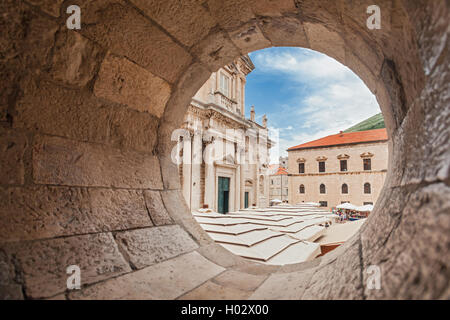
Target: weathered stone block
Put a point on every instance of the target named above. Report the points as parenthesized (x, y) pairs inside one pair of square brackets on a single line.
[(49, 6), (339, 278), (239, 280), (12, 151), (267, 8), (122, 81), (420, 235), (213, 291), (230, 14), (286, 31), (215, 51), (249, 38), (65, 162), (166, 280), (108, 23), (44, 263), (177, 208), (27, 38), (77, 114), (188, 21), (145, 247), (46, 212), (325, 40), (287, 286), (156, 209), (75, 59)]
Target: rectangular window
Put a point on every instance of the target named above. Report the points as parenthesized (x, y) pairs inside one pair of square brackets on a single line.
[(367, 164), (342, 202), (366, 203), (343, 165), (301, 167), (224, 84), (323, 203), (321, 166)]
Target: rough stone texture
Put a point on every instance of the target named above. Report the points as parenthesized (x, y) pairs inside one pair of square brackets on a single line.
[(239, 280), (67, 162), (287, 286), (176, 207), (49, 6), (156, 209), (47, 108), (43, 264), (12, 150), (286, 31), (407, 234), (166, 280), (426, 213), (214, 291), (272, 7), (249, 37), (145, 247), (215, 51), (324, 40), (75, 59), (9, 287), (111, 23), (188, 21), (230, 14), (340, 278), (122, 81)]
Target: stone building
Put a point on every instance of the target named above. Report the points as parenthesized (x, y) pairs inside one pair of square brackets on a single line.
[(224, 156), (278, 185), (345, 167)]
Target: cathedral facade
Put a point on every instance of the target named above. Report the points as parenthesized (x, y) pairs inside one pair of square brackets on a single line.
[(222, 155)]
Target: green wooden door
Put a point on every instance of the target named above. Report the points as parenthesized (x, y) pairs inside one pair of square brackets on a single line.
[(246, 200), (223, 194)]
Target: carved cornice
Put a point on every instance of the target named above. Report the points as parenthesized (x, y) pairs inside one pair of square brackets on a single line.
[(366, 155), (301, 160), (322, 158), (343, 156)]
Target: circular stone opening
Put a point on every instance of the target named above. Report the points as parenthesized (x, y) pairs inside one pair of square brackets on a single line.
[(87, 118), (228, 153)]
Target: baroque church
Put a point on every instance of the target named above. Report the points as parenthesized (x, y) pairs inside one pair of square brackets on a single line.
[(223, 157)]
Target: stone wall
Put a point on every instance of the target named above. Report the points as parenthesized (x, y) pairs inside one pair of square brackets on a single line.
[(86, 119)]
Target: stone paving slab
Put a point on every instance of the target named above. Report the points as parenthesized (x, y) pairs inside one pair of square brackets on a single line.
[(311, 233), (247, 239), (262, 251), (295, 253), (166, 280), (148, 246), (235, 229)]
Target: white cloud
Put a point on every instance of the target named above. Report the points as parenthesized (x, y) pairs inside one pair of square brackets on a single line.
[(335, 97)]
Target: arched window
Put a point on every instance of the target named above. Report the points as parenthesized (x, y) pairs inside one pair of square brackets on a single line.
[(344, 188), (322, 188), (367, 188), (301, 189)]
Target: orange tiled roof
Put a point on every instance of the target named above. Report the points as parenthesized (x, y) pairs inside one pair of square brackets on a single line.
[(345, 138), (281, 171)]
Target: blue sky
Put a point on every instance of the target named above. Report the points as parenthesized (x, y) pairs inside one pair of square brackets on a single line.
[(306, 95)]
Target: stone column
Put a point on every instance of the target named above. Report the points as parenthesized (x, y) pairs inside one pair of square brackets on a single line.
[(197, 158), (210, 183), (187, 168), (237, 202)]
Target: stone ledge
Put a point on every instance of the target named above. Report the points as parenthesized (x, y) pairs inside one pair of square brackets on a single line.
[(166, 280), (145, 247), (43, 263)]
